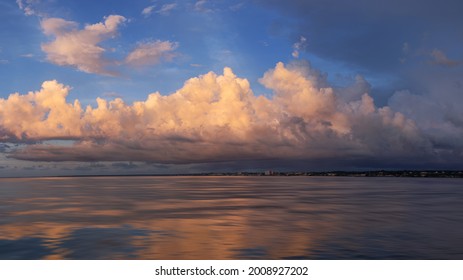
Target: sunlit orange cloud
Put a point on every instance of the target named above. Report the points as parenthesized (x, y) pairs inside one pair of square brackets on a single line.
[(79, 48), (212, 118)]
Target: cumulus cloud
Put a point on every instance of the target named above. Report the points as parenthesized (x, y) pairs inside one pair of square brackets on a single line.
[(80, 48), (46, 108), (218, 118), (151, 53)]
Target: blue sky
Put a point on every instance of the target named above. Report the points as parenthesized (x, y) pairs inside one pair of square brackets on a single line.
[(218, 34), (403, 55)]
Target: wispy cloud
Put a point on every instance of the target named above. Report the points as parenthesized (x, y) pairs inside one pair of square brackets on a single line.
[(164, 10), (299, 46), (237, 7), (203, 6), (148, 10), (151, 53), (27, 6), (80, 48), (440, 58), (112, 95), (167, 8)]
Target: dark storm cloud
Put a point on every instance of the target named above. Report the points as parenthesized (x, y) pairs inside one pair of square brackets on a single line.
[(371, 34), (4, 147)]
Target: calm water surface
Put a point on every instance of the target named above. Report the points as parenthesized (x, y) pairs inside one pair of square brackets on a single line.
[(231, 218)]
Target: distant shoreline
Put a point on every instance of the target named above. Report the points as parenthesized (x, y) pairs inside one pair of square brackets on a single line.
[(270, 173)]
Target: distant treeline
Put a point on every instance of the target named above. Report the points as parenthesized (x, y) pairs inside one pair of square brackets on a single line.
[(378, 173)]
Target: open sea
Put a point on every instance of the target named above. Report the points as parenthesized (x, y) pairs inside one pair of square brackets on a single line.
[(231, 218)]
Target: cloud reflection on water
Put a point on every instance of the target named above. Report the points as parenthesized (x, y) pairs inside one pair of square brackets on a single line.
[(230, 218)]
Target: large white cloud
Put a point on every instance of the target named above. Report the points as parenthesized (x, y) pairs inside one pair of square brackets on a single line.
[(80, 48), (216, 118)]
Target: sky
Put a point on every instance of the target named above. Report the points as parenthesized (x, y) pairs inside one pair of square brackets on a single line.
[(162, 87)]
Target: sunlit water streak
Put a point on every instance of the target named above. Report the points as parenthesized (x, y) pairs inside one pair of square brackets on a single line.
[(231, 218)]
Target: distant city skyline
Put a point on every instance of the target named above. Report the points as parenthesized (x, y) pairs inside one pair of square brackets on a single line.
[(168, 87)]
